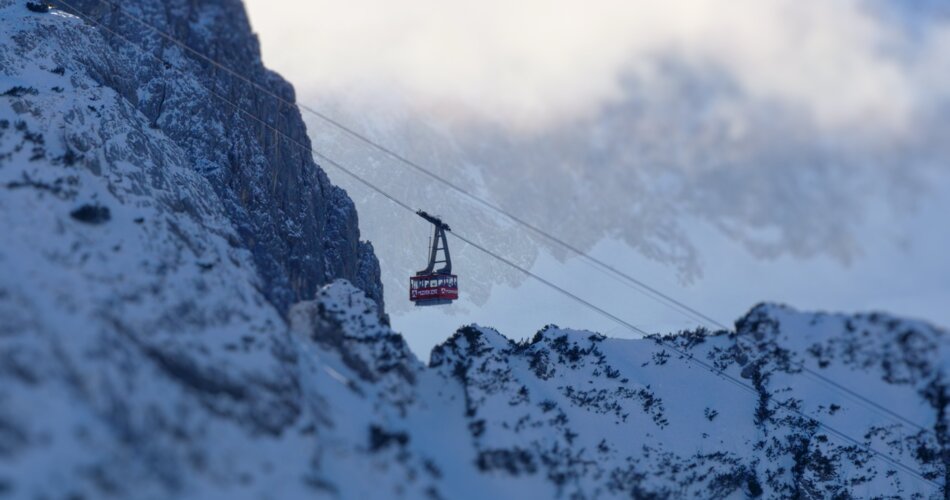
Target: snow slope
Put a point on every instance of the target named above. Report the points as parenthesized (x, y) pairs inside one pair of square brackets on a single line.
[(574, 414), (620, 418), (163, 335)]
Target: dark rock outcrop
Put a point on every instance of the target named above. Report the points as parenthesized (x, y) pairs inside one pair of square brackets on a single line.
[(302, 230)]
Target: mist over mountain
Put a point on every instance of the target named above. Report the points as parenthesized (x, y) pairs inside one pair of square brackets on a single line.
[(672, 152), (187, 308), (692, 133)]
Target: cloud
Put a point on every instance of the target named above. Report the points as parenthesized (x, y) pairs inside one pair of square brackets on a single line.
[(534, 64), (784, 124)]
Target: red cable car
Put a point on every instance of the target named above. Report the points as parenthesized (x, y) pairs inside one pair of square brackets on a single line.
[(430, 287)]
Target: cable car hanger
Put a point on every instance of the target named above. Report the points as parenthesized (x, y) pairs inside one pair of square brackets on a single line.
[(431, 287)]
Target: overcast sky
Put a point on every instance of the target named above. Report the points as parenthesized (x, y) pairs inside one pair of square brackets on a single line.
[(731, 152)]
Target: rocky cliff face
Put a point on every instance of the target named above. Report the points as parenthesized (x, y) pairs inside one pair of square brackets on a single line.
[(153, 239), (156, 246), (301, 230)]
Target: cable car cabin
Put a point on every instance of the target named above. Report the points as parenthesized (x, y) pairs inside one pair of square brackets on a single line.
[(433, 290), (431, 287)]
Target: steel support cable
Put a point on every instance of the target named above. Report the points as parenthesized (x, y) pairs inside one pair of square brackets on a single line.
[(688, 357), (604, 266), (641, 286)]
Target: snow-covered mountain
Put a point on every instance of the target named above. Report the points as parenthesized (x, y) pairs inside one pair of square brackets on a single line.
[(186, 311)]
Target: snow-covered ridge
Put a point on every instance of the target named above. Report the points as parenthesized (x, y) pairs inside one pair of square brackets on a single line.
[(620, 418)]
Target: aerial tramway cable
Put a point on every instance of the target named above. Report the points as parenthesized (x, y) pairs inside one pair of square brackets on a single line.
[(598, 263), (601, 265), (687, 357)]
